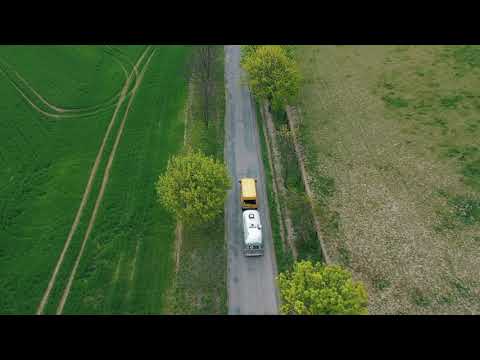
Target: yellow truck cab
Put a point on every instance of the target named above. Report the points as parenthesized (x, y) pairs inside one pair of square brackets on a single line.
[(248, 193)]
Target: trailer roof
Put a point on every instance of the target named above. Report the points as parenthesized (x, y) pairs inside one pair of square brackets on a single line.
[(248, 188), (251, 217), (251, 221)]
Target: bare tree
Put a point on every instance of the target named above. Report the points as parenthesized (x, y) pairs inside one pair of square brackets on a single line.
[(203, 73)]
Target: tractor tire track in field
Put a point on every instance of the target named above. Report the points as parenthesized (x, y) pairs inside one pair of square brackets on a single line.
[(73, 113), (88, 189), (106, 177), (63, 110), (59, 112), (120, 55), (72, 110), (57, 115)]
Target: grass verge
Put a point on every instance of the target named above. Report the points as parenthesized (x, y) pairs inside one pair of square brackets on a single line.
[(199, 287), (283, 254), (297, 201)]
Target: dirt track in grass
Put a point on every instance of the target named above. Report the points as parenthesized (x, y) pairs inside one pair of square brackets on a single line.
[(44, 107), (106, 177), (93, 172)]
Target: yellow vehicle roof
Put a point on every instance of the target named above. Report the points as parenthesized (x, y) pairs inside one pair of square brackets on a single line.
[(248, 188)]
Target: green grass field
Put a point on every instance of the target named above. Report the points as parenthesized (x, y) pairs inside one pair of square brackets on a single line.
[(46, 161), (391, 138)]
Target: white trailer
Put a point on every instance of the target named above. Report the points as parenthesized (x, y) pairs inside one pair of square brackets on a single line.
[(252, 230)]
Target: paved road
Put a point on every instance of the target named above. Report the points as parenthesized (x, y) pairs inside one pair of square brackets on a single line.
[(251, 281)]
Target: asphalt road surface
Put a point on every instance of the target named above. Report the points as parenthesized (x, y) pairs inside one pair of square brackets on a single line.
[(251, 280)]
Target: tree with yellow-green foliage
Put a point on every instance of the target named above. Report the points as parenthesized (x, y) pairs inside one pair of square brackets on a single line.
[(272, 74), (316, 289), (247, 50), (289, 51), (194, 187)]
